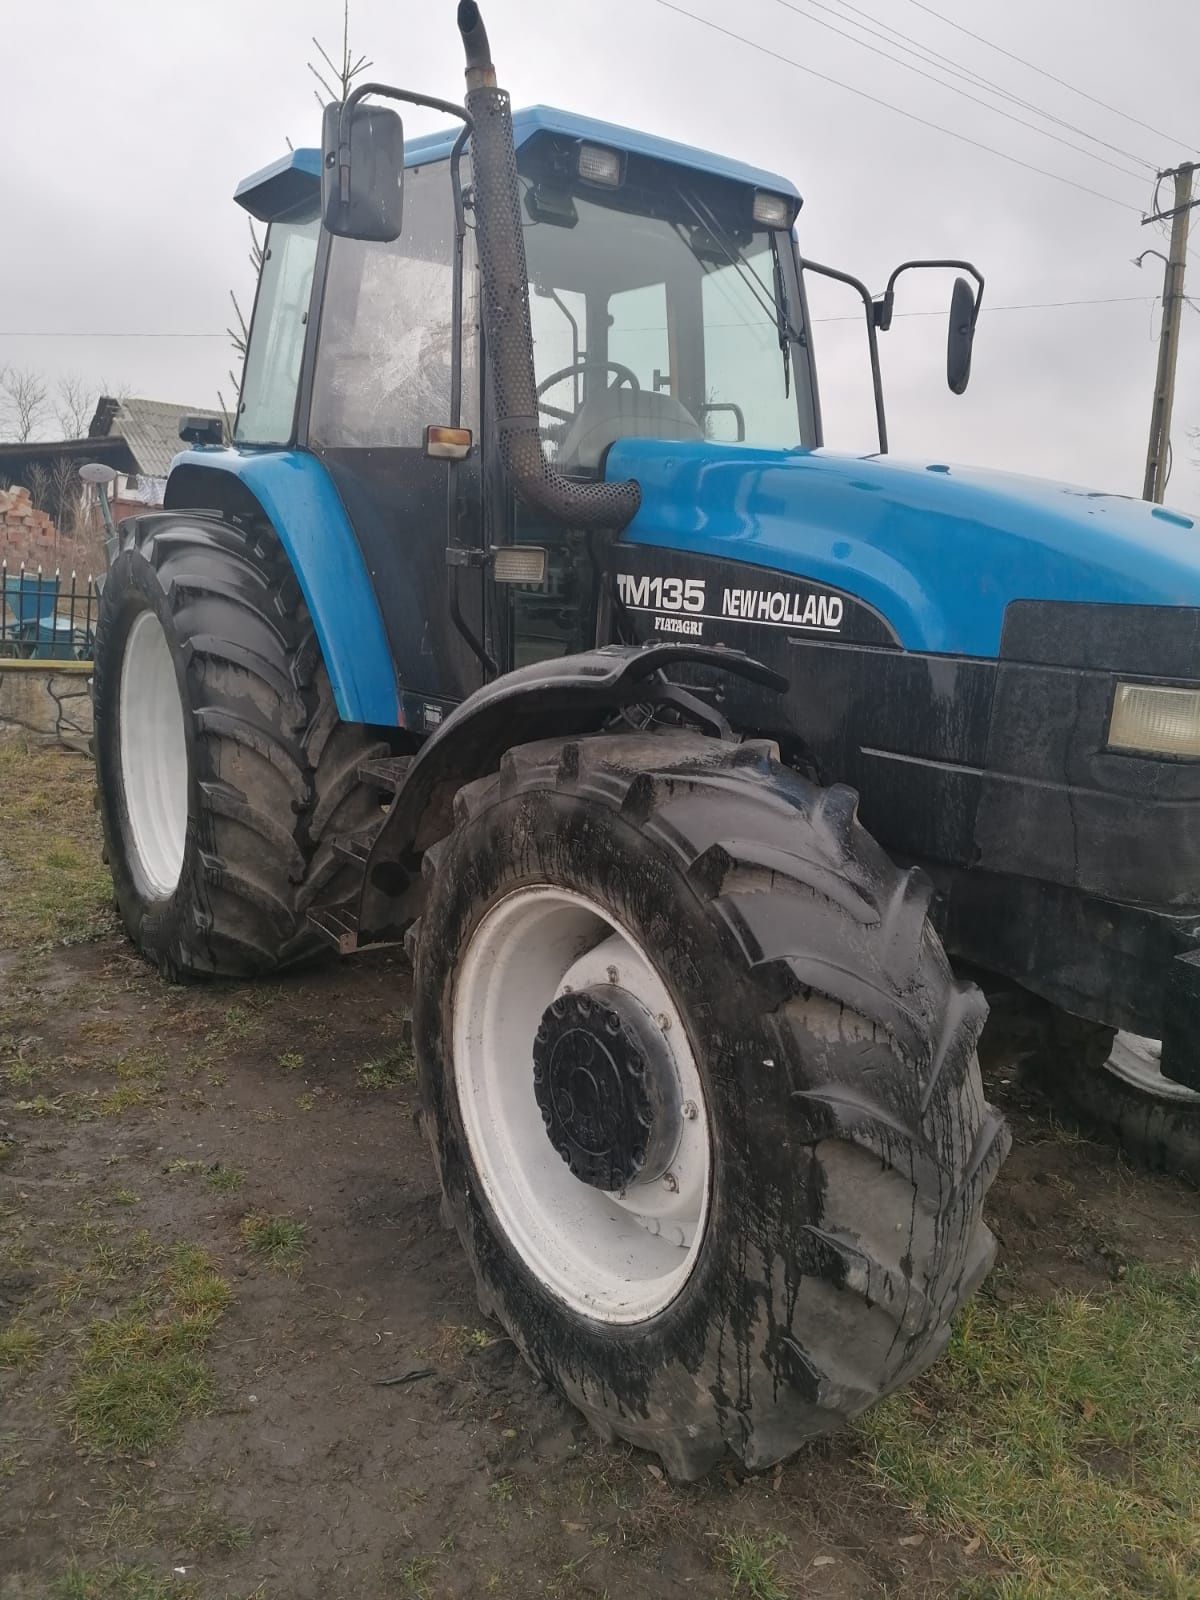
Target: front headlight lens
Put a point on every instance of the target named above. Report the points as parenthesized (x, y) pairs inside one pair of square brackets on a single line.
[(1160, 721), (772, 210)]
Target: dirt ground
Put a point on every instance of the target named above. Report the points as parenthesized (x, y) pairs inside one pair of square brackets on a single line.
[(349, 1424)]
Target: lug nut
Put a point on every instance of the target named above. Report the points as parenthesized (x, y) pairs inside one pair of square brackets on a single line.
[(671, 1182), (690, 1110), (663, 1021)]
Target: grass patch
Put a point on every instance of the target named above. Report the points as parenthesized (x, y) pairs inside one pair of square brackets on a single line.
[(141, 1373), (291, 1061), (386, 1071), (20, 1346), (1067, 1435), (140, 1077), (415, 1575), (749, 1564), (279, 1241), (40, 1106), (211, 1530), (56, 889), (17, 1070), (116, 1581), (224, 1179)]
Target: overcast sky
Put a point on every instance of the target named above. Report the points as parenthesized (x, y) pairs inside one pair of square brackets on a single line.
[(129, 124)]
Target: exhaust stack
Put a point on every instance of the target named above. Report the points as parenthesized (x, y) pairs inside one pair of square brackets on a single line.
[(506, 325)]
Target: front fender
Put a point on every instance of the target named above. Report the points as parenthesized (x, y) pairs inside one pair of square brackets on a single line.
[(561, 697), (298, 498)]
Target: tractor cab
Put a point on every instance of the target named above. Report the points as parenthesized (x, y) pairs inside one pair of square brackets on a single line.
[(665, 302)]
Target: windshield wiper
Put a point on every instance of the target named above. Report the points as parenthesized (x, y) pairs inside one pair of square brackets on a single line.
[(778, 310), (783, 322)]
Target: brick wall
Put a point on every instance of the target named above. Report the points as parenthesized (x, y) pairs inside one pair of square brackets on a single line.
[(26, 535)]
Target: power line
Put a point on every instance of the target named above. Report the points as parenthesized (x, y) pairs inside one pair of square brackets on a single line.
[(924, 122), (1033, 67), (954, 88), (1027, 305), (950, 64), (24, 333)]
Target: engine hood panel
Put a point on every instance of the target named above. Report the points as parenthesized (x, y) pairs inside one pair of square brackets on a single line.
[(940, 551)]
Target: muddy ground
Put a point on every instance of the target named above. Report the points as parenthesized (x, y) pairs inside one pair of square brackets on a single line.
[(137, 1117)]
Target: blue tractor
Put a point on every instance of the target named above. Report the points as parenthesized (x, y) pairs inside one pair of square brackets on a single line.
[(526, 621)]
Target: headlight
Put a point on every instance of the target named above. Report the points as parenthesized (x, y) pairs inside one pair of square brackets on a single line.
[(598, 165), (772, 210), (1160, 721)]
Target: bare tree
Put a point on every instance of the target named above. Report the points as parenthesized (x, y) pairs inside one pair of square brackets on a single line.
[(23, 403), (37, 481), (337, 79), (74, 405), (66, 495), (344, 73), (240, 336)]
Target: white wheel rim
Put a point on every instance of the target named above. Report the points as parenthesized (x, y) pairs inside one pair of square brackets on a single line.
[(154, 769), (615, 1257), (1138, 1061)]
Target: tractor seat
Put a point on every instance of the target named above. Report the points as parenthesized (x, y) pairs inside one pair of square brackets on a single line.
[(622, 413)]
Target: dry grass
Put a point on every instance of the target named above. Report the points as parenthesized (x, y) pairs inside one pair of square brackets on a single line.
[(54, 889)]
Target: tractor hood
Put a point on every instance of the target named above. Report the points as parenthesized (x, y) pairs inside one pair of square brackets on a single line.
[(939, 551)]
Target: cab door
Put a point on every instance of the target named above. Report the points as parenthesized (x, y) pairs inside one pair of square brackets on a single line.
[(380, 376)]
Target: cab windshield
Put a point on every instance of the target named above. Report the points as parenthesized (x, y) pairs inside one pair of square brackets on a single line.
[(659, 310)]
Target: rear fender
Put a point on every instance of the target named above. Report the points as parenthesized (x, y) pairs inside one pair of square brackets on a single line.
[(297, 496), (558, 698)]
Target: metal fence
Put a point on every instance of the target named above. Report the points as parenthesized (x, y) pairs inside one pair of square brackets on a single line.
[(46, 616)]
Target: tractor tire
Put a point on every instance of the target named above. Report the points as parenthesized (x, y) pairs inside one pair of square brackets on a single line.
[(223, 771), (701, 1090), (1110, 1085)]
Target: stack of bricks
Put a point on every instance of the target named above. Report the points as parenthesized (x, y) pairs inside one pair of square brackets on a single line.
[(27, 535)]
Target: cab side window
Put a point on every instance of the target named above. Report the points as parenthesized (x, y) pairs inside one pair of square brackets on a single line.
[(384, 357), (267, 406)]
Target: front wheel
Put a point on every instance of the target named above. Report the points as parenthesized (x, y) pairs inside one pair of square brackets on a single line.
[(223, 772), (701, 1090)]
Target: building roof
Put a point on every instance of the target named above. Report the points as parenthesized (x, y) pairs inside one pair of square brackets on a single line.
[(294, 180), (149, 427), (16, 459)]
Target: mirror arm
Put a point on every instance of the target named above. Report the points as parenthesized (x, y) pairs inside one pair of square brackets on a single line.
[(387, 92), (885, 303), (864, 295)]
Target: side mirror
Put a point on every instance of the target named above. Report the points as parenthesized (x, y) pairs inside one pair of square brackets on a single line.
[(362, 172), (961, 336)]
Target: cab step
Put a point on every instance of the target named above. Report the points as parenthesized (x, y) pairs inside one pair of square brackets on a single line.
[(386, 773), (338, 925)]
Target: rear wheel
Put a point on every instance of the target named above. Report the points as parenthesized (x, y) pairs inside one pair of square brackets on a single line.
[(702, 1091), (1111, 1085), (223, 771)]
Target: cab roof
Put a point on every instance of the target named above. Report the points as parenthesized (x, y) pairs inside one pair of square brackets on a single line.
[(291, 182)]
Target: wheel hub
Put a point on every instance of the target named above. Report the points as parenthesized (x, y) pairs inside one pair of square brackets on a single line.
[(606, 1089)]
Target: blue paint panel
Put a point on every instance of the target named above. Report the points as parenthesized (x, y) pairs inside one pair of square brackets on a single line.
[(263, 189), (939, 551), (292, 181), (539, 119), (306, 512)]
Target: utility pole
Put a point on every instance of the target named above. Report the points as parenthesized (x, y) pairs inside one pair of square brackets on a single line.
[(1158, 450)]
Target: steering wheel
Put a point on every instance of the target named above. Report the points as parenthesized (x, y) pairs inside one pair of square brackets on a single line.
[(624, 375)]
